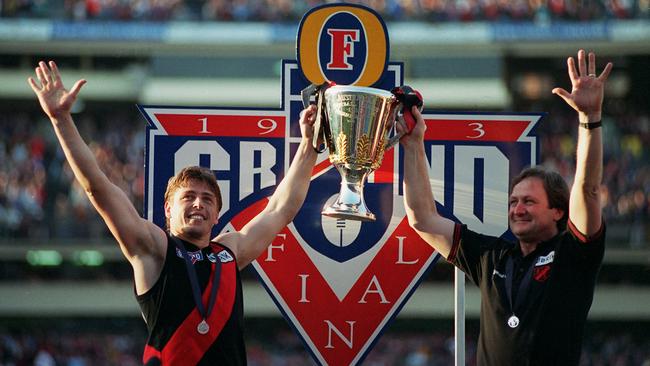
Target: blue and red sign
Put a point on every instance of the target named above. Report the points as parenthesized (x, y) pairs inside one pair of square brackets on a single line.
[(339, 283)]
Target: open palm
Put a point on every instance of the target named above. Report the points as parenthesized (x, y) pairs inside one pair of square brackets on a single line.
[(587, 88), (51, 93)]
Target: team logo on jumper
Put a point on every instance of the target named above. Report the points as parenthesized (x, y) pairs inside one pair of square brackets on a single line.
[(224, 256), (194, 256), (345, 44), (545, 259), (339, 283), (541, 273), (211, 257), (542, 269)]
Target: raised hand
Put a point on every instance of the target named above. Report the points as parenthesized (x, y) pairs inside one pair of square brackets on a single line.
[(307, 119), (414, 136), (54, 98), (587, 88)]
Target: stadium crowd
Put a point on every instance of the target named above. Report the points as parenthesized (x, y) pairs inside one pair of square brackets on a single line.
[(39, 198), (290, 11), (56, 347), (38, 195)]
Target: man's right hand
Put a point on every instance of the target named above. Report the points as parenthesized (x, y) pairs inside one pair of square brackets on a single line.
[(54, 98)]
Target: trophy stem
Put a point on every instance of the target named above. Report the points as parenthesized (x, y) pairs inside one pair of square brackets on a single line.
[(349, 204)]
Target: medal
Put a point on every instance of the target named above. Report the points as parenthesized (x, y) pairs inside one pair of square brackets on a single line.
[(203, 327), (513, 321)]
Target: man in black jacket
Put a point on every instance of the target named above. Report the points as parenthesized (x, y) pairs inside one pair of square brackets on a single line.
[(536, 293)]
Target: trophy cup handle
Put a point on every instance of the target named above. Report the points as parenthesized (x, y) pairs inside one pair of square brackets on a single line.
[(320, 130), (407, 97)]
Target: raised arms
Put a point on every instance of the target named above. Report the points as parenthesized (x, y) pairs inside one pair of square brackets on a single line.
[(418, 198), (141, 241)]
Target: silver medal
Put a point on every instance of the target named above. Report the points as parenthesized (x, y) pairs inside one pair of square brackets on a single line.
[(513, 321), (203, 327)]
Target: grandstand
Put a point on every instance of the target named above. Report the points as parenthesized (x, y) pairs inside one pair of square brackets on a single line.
[(66, 296)]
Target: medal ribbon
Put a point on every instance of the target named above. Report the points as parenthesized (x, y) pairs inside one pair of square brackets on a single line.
[(196, 291), (523, 286)]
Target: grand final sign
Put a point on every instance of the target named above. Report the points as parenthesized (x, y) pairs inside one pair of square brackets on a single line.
[(339, 283)]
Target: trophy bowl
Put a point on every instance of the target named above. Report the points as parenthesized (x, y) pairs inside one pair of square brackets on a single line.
[(357, 121)]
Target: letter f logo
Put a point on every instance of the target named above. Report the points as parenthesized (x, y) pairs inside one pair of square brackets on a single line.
[(342, 48)]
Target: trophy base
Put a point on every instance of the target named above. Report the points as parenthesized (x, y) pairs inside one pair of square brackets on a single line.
[(347, 214)]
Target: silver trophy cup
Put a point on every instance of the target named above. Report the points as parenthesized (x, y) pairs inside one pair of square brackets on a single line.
[(357, 124)]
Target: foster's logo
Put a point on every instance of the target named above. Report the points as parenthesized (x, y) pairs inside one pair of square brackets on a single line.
[(342, 44)]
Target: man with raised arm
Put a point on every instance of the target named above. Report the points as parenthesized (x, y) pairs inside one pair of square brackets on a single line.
[(536, 292), (186, 283)]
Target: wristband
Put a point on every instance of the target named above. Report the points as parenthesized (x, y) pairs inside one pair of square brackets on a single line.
[(591, 125)]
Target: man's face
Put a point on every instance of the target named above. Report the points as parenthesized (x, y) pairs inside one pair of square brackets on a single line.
[(192, 211), (531, 220)]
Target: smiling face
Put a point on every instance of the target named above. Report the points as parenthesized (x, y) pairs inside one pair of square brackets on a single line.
[(529, 214), (192, 211)]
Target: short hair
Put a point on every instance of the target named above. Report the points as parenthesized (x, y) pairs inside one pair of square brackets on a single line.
[(557, 191), (196, 173)]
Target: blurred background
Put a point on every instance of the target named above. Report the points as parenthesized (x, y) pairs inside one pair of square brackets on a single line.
[(66, 295)]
